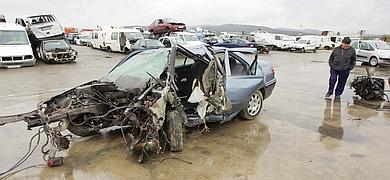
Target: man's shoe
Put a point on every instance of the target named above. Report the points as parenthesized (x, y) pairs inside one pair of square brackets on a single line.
[(337, 97), (327, 95)]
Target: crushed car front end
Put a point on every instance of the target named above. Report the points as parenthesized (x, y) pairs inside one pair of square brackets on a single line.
[(57, 51)]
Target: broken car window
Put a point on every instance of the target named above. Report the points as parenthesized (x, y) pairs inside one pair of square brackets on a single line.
[(53, 45), (41, 19), (182, 60), (133, 73)]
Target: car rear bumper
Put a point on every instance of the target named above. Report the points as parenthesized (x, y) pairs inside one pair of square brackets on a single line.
[(13, 64), (269, 88)]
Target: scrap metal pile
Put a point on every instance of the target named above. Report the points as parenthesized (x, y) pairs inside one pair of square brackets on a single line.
[(369, 88)]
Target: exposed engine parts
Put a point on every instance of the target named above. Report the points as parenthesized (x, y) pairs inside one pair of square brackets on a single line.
[(369, 88)]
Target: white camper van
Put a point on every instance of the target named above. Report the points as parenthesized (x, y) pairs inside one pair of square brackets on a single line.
[(15, 47), (110, 39), (276, 41), (43, 26), (113, 38)]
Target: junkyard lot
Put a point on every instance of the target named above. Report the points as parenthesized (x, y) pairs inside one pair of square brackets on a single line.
[(284, 142)]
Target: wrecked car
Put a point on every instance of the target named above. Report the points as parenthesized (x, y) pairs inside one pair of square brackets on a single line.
[(166, 25), (56, 51), (43, 26), (154, 94)]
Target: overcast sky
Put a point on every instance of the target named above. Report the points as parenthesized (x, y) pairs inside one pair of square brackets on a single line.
[(336, 15)]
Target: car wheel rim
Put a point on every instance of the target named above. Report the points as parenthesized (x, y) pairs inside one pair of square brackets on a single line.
[(373, 62), (254, 104)]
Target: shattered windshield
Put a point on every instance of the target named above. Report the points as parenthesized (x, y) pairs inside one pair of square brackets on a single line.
[(13, 37), (133, 35), (381, 45), (133, 73), (52, 45)]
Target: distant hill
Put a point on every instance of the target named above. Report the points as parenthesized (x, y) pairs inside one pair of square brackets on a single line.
[(246, 29)]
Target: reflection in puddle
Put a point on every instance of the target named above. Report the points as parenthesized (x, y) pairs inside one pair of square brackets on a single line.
[(226, 149), (331, 129)]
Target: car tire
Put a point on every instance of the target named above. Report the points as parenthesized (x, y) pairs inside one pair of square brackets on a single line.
[(327, 48), (174, 131), (254, 106), (81, 130), (126, 51), (373, 61), (109, 49), (314, 50)]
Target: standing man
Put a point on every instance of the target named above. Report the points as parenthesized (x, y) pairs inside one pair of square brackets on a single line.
[(2, 18), (341, 61), (122, 41)]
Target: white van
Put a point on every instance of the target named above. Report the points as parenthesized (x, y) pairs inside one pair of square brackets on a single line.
[(96, 36), (15, 47), (306, 43), (112, 39), (276, 41), (326, 43), (187, 37), (43, 26)]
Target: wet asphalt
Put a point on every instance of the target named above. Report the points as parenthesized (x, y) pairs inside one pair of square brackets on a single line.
[(298, 135)]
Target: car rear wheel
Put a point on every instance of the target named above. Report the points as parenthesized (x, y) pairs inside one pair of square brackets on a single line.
[(373, 61), (254, 106), (81, 130)]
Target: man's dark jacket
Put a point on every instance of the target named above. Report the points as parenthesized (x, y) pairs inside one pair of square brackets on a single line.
[(343, 59)]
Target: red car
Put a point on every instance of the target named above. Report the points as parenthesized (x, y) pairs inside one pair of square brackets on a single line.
[(166, 25)]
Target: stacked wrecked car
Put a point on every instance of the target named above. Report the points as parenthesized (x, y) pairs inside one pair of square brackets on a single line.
[(47, 38)]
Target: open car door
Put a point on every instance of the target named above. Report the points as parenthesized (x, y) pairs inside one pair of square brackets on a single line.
[(242, 78)]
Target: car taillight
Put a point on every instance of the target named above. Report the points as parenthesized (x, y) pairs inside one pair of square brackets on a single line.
[(273, 71)]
